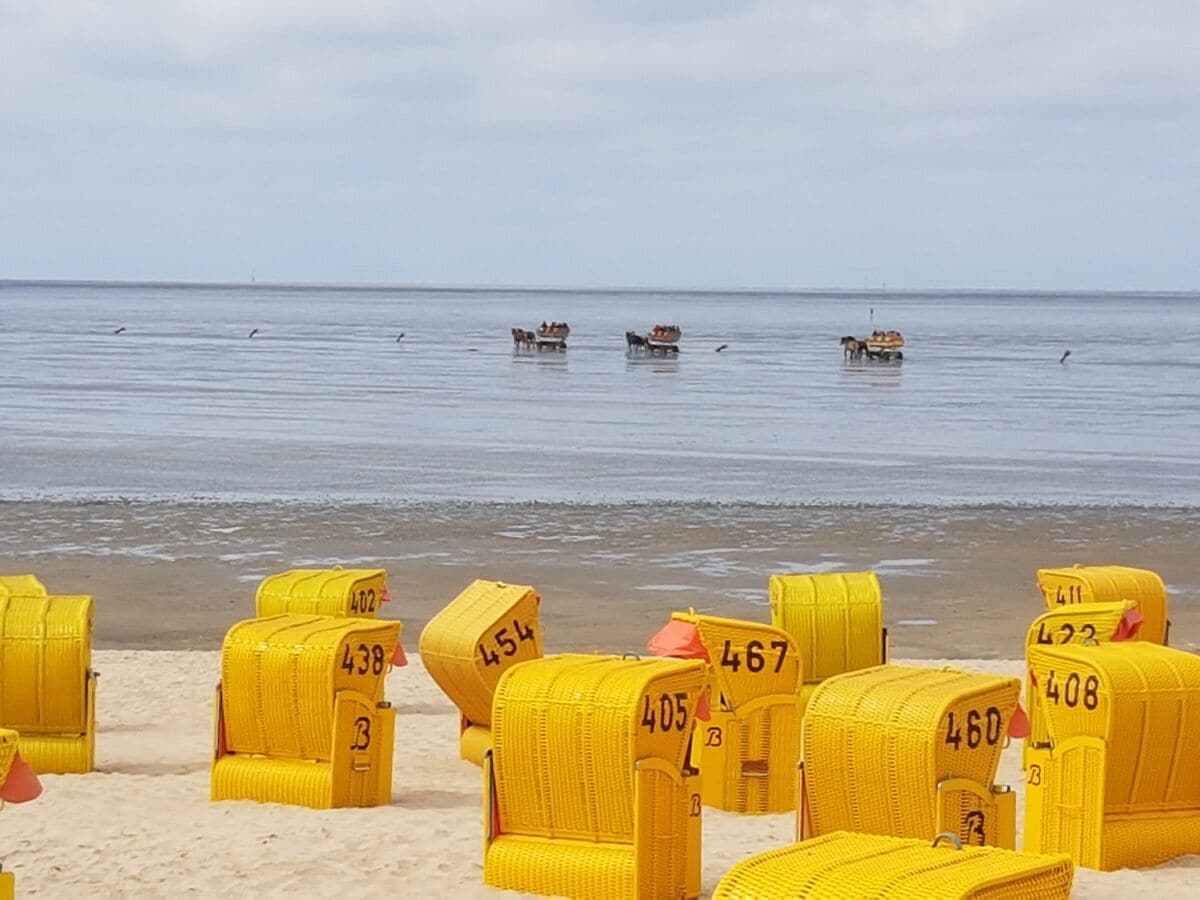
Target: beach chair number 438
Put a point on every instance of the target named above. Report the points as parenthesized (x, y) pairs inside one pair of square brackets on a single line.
[(363, 660), (505, 643), (668, 714), (755, 661), (980, 727)]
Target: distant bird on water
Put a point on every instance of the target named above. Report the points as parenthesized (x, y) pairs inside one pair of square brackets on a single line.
[(120, 330), (1063, 361), (253, 333), (722, 347), (400, 335)]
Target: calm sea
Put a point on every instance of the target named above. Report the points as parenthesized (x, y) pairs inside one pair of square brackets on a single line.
[(324, 403)]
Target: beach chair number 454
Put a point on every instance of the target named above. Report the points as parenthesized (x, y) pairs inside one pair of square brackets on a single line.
[(980, 727), (755, 661), (363, 660), (505, 643)]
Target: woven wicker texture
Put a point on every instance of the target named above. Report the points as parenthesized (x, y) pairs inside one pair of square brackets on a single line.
[(323, 592), (1119, 784), (877, 744), (47, 687), (1107, 584), (842, 865), (836, 620), (588, 757), (8, 750), (476, 638), (1072, 624), (299, 717), (747, 752)]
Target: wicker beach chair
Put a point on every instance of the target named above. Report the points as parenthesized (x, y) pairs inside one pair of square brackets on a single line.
[(748, 749), (845, 865), (908, 752), (300, 715), (48, 689), (587, 791), (836, 621), (480, 635), (1109, 584), (1117, 783), (1080, 623), (323, 592)]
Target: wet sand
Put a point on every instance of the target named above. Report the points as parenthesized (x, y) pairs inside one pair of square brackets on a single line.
[(958, 582)]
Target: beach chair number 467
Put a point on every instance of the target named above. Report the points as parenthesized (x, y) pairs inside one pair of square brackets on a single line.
[(755, 661), (505, 643), (980, 727)]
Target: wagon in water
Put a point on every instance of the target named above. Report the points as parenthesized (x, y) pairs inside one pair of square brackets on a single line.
[(548, 336), (660, 339), (881, 345)]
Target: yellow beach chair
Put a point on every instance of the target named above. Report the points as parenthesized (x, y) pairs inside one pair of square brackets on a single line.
[(48, 689), (323, 592), (480, 635), (908, 752), (1109, 584), (1117, 783), (587, 791), (300, 715), (844, 865), (835, 620), (748, 749)]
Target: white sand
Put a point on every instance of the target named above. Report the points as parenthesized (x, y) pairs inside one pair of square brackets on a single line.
[(143, 825)]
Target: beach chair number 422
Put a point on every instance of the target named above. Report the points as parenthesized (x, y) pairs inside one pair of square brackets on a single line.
[(504, 643)]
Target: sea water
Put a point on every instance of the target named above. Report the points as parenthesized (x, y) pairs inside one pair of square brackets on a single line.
[(324, 403)]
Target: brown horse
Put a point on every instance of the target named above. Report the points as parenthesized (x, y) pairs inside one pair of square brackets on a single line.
[(853, 348), (523, 339)]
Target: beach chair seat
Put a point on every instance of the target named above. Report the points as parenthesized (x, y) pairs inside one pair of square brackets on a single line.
[(908, 752), (300, 715), (748, 749), (846, 865), (323, 592), (48, 689), (836, 621), (587, 790), (1116, 784), (1110, 584), (468, 645)]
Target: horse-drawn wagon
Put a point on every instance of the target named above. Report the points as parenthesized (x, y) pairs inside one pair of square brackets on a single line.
[(549, 336), (881, 345), (660, 339)]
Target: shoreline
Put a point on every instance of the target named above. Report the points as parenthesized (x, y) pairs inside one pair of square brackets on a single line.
[(958, 581)]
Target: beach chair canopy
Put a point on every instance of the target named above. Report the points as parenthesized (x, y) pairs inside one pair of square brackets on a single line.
[(836, 620), (323, 592), (1110, 584)]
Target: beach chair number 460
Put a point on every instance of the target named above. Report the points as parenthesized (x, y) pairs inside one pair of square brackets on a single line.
[(980, 727), (504, 643), (671, 711), (755, 661), (365, 659)]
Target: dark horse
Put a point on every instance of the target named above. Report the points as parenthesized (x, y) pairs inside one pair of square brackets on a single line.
[(634, 341), (522, 338), (852, 347)]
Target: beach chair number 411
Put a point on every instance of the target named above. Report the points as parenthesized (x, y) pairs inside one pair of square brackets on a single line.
[(755, 661), (989, 730), (505, 644)]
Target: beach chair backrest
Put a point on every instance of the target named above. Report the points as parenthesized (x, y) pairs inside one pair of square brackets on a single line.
[(1128, 713), (280, 676), (323, 592), (571, 731), (45, 662), (21, 586), (878, 743), (476, 638), (836, 620), (1108, 584)]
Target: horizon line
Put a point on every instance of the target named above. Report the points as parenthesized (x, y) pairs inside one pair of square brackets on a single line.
[(508, 288)]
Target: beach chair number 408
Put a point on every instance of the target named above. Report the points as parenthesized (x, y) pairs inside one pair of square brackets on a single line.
[(755, 661), (1069, 693), (989, 730), (505, 644)]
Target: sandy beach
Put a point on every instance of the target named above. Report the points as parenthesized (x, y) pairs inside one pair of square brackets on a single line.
[(143, 825), (957, 582)]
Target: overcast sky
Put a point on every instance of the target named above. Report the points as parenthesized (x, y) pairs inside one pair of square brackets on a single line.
[(686, 143)]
